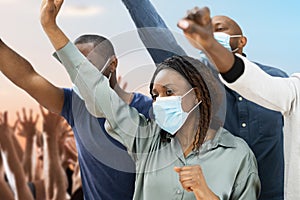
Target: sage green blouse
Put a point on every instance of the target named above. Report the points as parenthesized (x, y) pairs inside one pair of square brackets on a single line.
[(228, 164)]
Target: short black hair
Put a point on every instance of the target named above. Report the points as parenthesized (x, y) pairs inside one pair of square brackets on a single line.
[(101, 44)]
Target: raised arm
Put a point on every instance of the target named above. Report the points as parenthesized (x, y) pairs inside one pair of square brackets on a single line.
[(13, 163), (198, 29), (28, 130), (55, 178), (238, 72), (125, 122), (21, 73), (49, 12), (5, 191), (154, 33)]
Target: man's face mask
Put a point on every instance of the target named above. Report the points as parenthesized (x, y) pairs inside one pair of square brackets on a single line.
[(224, 40), (169, 114)]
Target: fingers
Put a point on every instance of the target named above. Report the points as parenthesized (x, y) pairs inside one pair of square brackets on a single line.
[(189, 176), (199, 16), (24, 114), (5, 117), (36, 118), (177, 169), (124, 86), (189, 26), (15, 125), (59, 3), (43, 111)]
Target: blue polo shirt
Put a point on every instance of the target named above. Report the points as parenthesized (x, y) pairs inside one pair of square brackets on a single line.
[(107, 171)]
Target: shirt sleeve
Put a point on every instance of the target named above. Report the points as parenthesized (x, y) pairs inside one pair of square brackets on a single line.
[(67, 112), (154, 33), (263, 89), (142, 103), (247, 184), (125, 124), (250, 189)]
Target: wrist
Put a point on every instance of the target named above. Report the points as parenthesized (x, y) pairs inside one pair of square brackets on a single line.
[(50, 28), (206, 194)]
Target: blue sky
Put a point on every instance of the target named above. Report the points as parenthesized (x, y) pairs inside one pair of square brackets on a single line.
[(271, 26)]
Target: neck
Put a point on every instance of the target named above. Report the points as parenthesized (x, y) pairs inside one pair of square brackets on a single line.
[(186, 134)]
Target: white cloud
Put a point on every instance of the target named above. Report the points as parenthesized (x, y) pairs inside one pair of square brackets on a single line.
[(7, 2), (81, 10)]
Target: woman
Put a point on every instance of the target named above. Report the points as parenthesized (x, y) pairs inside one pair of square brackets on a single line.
[(185, 137)]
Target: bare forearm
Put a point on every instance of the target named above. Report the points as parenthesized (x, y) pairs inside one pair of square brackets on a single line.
[(199, 196), (56, 36), (221, 57), (27, 162), (14, 164), (5, 192), (18, 147), (55, 185)]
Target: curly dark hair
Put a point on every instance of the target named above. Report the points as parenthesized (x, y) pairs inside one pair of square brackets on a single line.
[(207, 85)]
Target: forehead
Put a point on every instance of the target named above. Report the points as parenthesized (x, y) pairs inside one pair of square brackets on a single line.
[(226, 23), (221, 20), (170, 77)]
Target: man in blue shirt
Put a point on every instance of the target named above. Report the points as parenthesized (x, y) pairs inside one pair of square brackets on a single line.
[(107, 171), (259, 127)]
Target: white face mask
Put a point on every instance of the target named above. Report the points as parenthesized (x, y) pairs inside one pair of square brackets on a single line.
[(169, 114), (224, 40)]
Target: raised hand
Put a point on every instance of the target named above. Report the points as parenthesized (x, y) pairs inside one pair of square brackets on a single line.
[(52, 123), (27, 128), (69, 155), (124, 85), (27, 124), (192, 180), (5, 128), (197, 27), (49, 11), (14, 170)]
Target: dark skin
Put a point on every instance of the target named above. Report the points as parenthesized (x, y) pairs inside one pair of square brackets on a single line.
[(226, 25), (198, 27)]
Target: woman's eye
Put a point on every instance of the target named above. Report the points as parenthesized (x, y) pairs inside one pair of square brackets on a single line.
[(169, 92)]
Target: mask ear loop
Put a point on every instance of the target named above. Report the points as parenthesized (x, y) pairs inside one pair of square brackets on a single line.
[(187, 93), (105, 66), (195, 105), (235, 36)]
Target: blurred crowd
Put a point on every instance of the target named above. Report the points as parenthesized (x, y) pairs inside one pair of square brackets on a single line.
[(47, 168)]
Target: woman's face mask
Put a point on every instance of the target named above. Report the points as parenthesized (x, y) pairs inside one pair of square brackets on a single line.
[(169, 114)]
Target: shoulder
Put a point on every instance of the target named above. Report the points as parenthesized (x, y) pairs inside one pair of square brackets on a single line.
[(138, 97), (273, 71), (239, 145)]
